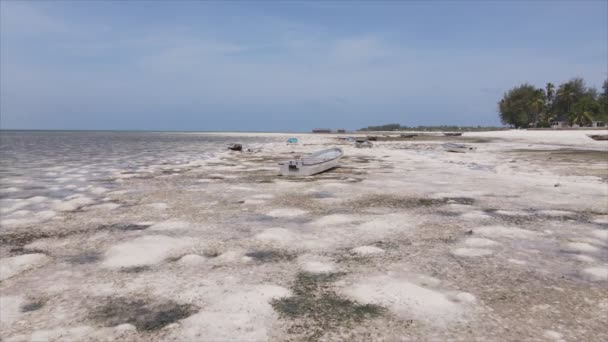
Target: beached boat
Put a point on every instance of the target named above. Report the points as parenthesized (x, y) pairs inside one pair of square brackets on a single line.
[(599, 136), (292, 141), (360, 143), (452, 134), (313, 163), (458, 148)]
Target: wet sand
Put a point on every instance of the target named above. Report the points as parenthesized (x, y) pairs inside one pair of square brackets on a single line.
[(403, 242)]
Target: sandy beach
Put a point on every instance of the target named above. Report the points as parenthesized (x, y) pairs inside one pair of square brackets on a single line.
[(403, 242)]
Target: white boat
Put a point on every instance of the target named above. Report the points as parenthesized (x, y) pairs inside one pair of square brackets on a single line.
[(450, 147), (313, 163)]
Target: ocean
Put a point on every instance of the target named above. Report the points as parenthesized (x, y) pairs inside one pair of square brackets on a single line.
[(59, 164)]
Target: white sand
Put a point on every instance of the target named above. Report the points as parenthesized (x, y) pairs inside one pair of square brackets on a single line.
[(12, 266), (507, 232), (313, 263), (244, 315), (584, 258), (597, 273), (517, 261), (192, 260), (579, 247), (335, 219), (170, 225), (512, 213), (157, 206), (286, 212), (146, 250), (471, 252), (552, 335), (479, 242), (73, 204), (601, 234), (406, 299), (367, 250), (278, 236), (10, 309)]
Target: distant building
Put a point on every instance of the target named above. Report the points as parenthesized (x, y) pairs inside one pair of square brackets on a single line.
[(565, 124), (321, 130), (559, 124)]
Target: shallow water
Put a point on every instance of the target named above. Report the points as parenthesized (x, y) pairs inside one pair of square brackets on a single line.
[(56, 164)]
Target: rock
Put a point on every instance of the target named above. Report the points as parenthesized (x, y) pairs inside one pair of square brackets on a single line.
[(235, 147)]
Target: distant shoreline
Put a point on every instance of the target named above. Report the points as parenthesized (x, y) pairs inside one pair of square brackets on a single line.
[(139, 131)]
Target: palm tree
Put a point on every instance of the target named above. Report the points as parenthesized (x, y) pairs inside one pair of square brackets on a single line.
[(567, 95), (550, 92), (581, 117), (537, 105)]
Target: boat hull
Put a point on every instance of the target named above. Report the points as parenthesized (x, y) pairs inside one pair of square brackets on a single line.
[(309, 170), (458, 148), (599, 137), (313, 163)]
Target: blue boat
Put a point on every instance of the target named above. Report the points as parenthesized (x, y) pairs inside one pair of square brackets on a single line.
[(292, 140)]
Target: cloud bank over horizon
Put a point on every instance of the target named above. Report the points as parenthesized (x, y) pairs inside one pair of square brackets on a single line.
[(273, 66)]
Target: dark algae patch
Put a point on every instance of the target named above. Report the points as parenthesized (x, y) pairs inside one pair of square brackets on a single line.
[(315, 308), (135, 269), (124, 226), (321, 194), (145, 315), (84, 258), (270, 256), (398, 202), (32, 306)]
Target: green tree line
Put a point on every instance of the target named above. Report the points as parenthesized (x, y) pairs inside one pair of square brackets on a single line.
[(573, 102), (441, 128)]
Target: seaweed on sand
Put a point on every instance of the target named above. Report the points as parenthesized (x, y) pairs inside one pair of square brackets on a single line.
[(135, 269), (270, 256), (315, 308), (84, 258), (124, 226), (32, 306), (145, 315), (393, 201)]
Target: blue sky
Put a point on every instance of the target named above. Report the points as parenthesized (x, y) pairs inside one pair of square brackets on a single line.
[(285, 66)]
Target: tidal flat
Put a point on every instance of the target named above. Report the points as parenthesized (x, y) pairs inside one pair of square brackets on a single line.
[(171, 237)]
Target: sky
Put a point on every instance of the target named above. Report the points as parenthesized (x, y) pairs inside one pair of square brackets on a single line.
[(285, 66)]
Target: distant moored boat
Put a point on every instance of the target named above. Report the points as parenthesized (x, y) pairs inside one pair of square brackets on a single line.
[(458, 148), (599, 136)]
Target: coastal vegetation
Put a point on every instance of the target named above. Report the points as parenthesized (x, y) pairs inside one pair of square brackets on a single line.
[(571, 102), (441, 128)]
